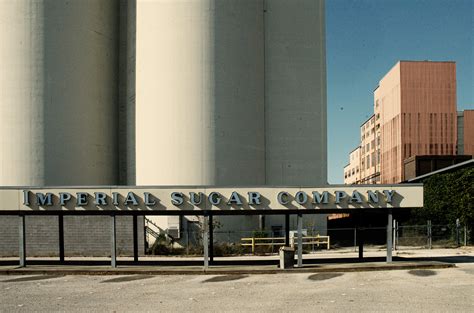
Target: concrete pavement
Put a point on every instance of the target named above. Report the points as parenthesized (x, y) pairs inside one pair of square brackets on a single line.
[(342, 260)]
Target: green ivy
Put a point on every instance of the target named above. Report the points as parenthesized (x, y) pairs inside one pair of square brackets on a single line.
[(448, 197)]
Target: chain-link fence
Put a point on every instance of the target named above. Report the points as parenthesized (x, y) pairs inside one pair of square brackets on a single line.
[(258, 242)]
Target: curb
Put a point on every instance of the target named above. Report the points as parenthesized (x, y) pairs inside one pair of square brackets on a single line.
[(217, 271)]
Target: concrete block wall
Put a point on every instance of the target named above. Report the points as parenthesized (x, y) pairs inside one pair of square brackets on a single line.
[(83, 236)]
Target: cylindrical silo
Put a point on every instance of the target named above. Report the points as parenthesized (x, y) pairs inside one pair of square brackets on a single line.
[(295, 92), (58, 85), (295, 99), (200, 92)]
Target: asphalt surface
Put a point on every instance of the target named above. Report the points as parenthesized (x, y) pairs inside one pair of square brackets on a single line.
[(443, 290), (396, 290)]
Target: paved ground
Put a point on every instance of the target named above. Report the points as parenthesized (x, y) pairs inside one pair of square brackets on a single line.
[(446, 290), (440, 290)]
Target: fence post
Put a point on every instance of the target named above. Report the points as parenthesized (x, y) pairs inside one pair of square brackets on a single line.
[(253, 245), (187, 238), (429, 234), (465, 234), (394, 234), (458, 228), (355, 239)]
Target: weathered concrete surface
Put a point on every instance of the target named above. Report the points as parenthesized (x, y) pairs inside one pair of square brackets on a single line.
[(446, 290)]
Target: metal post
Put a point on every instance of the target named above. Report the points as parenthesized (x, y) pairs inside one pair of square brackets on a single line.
[(360, 230), (465, 235), (429, 234), (205, 242), (22, 241), (394, 235), (187, 238), (287, 230), (113, 254), (61, 237), (360, 236), (458, 228), (300, 240), (397, 239), (355, 239), (389, 236), (211, 239), (135, 238)]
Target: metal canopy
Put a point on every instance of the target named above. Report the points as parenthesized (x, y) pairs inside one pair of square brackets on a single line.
[(140, 201)]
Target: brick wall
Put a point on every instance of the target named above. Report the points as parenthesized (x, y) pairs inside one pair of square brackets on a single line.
[(83, 235)]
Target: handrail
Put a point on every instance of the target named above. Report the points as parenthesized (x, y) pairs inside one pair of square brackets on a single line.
[(254, 241), (148, 221)]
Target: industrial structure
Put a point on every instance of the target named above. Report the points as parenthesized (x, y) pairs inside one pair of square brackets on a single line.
[(161, 92), (414, 115)]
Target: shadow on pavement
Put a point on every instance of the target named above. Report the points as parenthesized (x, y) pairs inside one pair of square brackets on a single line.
[(422, 273), (221, 261), (221, 278), (30, 278), (324, 276), (447, 259), (126, 278)]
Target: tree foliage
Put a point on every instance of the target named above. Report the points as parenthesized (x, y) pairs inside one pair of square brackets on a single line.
[(448, 197)]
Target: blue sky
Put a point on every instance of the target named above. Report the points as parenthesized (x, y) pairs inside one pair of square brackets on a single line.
[(365, 38)]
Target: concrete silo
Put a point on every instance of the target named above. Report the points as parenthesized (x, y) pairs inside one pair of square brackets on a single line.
[(200, 97), (200, 92), (230, 93), (58, 85), (58, 111), (295, 99), (295, 92)]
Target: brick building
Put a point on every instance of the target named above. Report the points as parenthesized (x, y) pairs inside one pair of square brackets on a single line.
[(414, 114)]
